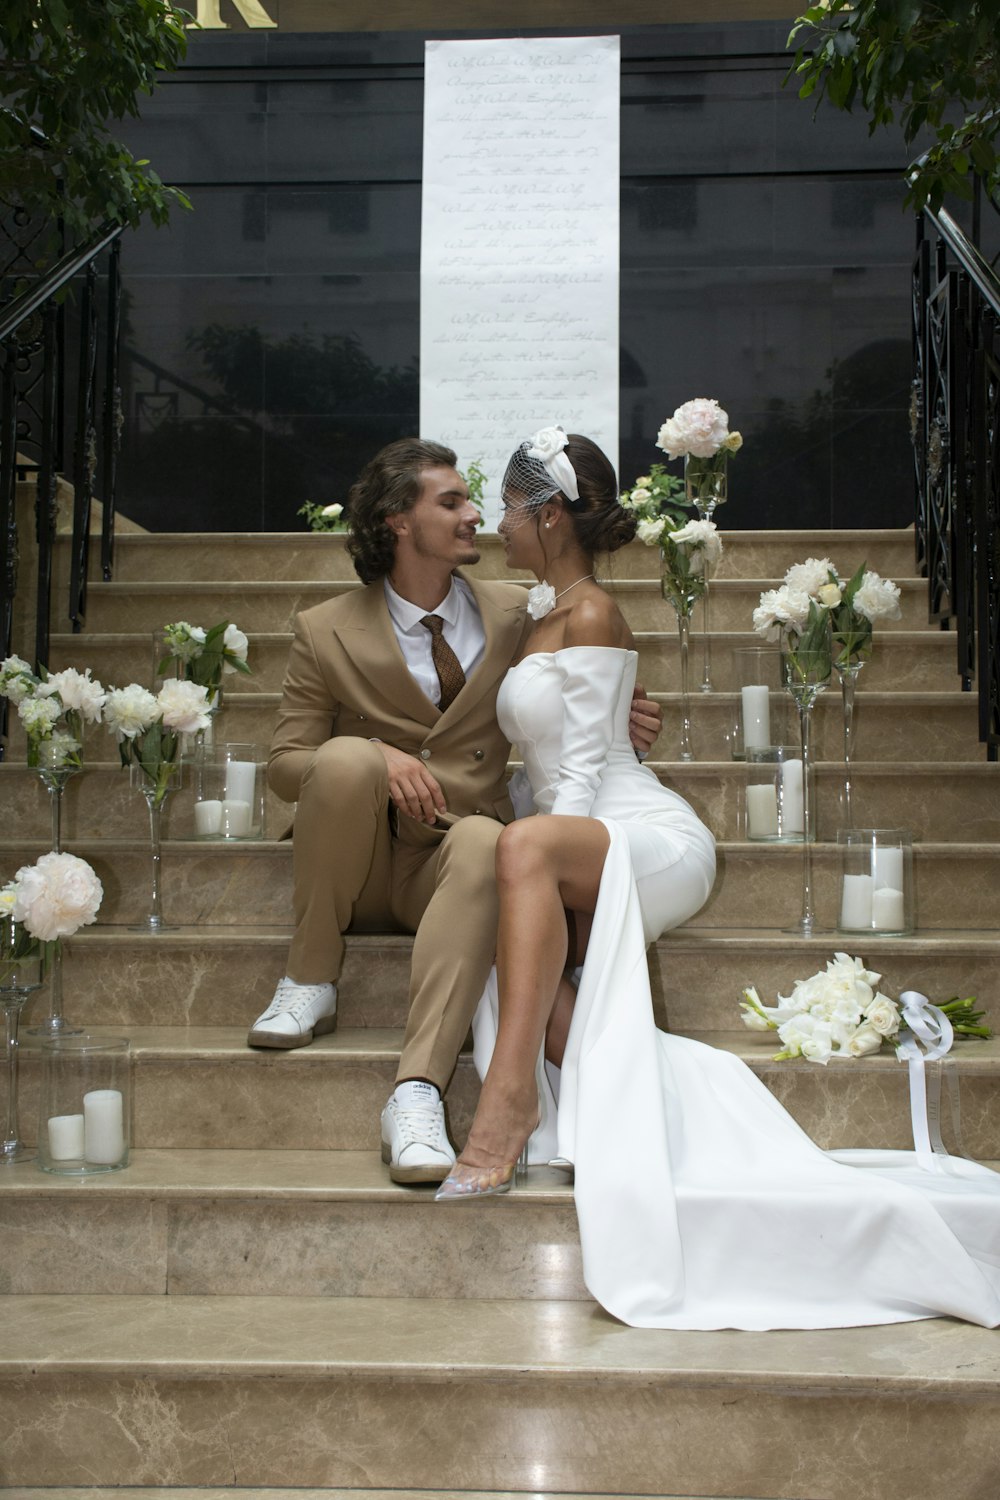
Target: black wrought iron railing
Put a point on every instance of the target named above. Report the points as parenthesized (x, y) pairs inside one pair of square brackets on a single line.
[(955, 427), (46, 408)]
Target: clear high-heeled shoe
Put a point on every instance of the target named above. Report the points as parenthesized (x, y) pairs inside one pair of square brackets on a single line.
[(464, 1182)]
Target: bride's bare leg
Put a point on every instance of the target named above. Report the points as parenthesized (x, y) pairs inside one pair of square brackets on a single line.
[(579, 924), (544, 865)]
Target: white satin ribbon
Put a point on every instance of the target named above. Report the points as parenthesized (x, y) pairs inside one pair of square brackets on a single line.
[(564, 474), (929, 1037)]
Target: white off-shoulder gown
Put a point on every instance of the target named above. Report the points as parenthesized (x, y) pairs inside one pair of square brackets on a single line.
[(701, 1203)]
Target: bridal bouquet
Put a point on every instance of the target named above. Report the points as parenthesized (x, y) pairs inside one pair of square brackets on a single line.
[(53, 707), (203, 656), (839, 1012), (47, 901), (148, 728)]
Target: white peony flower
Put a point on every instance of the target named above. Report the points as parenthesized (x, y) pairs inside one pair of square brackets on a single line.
[(650, 532), (235, 644), (704, 539), (183, 706), (699, 427), (56, 895), (39, 715), (780, 608), (79, 692), (883, 1015), (830, 595), (546, 443), (877, 598), (810, 576), (864, 1041), (129, 711)]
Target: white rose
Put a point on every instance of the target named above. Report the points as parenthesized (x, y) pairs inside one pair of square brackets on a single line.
[(183, 706), (235, 644), (733, 443), (332, 512), (640, 495), (810, 576), (865, 1040), (7, 898), (699, 427), (79, 692), (877, 598), (129, 711), (546, 443), (829, 595), (650, 532), (56, 895), (883, 1016), (39, 715)]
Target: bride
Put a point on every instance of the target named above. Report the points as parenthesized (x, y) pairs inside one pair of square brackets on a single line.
[(701, 1203)]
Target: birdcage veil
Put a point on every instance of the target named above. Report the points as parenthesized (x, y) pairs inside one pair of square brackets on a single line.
[(538, 469)]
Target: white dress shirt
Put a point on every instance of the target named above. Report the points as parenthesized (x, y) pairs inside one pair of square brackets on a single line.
[(463, 630)]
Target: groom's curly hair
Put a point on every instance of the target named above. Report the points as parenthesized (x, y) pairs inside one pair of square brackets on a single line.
[(388, 485)]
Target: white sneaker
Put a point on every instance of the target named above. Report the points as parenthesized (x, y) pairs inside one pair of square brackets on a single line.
[(297, 1013), (415, 1144)]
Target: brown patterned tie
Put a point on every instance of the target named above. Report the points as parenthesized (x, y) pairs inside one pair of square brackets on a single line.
[(446, 663)]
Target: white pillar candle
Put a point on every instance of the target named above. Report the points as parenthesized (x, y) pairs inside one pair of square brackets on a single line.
[(103, 1126), (856, 901), (888, 910), (792, 805), (240, 778), (66, 1137), (887, 866), (762, 811), (207, 816), (235, 819), (756, 702)]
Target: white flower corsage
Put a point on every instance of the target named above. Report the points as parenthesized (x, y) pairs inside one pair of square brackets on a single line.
[(546, 443), (541, 600)]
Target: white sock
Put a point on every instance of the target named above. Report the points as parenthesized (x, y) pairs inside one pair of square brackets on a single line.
[(416, 1094)]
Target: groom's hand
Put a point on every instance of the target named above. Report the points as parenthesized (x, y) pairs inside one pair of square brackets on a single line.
[(645, 721), (411, 786)]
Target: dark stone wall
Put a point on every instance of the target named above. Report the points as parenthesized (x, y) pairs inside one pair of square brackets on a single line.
[(272, 335)]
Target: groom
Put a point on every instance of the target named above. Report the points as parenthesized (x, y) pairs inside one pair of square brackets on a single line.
[(387, 740)]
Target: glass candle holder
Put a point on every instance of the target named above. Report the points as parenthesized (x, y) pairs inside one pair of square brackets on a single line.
[(761, 708), (876, 892), (229, 801), (85, 1105), (775, 811)]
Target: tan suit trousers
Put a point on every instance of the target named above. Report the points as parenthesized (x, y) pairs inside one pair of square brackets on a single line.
[(350, 872)]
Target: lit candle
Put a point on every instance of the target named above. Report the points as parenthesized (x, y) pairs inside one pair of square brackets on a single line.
[(240, 778), (793, 815), (756, 717), (887, 866), (103, 1126), (207, 817), (762, 811), (66, 1137), (235, 819), (856, 902), (888, 910)]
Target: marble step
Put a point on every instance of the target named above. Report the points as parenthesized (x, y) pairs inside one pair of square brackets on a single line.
[(935, 800), (225, 976), (272, 605), (207, 557), (203, 1087), (757, 885), (914, 660), (208, 1492), (529, 1396)]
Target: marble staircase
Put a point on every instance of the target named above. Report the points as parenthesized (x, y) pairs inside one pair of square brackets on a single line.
[(253, 1306)]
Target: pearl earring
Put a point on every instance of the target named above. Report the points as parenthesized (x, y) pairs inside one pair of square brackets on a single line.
[(547, 525)]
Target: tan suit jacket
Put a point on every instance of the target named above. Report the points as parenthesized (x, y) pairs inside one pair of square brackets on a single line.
[(346, 676)]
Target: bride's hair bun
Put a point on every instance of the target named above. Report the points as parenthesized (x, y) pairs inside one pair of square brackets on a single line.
[(600, 521)]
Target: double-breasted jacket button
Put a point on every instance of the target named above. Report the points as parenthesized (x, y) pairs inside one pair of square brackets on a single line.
[(478, 754), (425, 755), (362, 717)]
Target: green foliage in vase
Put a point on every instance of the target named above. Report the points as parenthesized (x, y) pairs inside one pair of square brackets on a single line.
[(67, 69), (928, 67), (475, 478)]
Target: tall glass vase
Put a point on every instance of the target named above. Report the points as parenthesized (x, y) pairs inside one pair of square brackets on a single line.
[(706, 487), (807, 673), (682, 590), (683, 633), (54, 772), (21, 973), (155, 789), (848, 672)]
